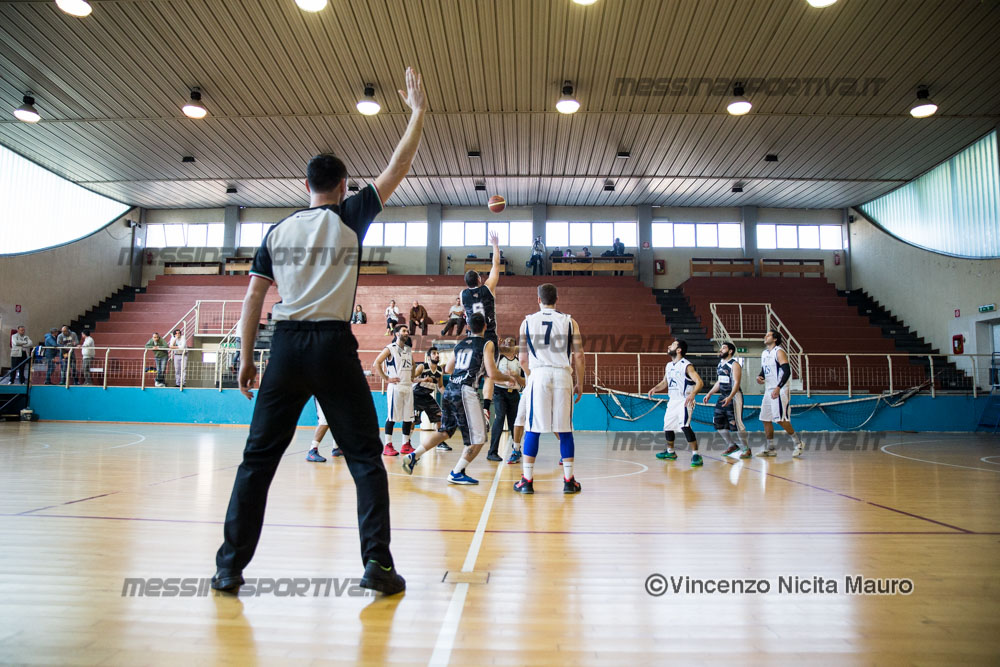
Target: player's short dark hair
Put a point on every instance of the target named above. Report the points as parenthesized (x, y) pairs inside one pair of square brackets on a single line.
[(431, 349), (729, 344), (682, 345), (547, 294), (477, 323), (472, 278), (776, 335), (325, 172)]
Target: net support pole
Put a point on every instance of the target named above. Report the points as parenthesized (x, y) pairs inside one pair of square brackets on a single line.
[(848, 357), (808, 392), (933, 392), (107, 366), (142, 371), (595, 369), (638, 368), (889, 358), (975, 374)]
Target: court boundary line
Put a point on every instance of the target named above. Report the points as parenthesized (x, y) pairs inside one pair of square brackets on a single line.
[(453, 617), (936, 463)]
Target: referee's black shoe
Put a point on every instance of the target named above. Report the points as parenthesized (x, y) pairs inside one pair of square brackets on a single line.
[(384, 580), (227, 580)]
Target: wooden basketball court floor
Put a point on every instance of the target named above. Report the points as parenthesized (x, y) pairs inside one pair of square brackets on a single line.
[(495, 577)]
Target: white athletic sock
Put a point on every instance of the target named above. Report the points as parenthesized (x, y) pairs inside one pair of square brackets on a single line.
[(567, 469), (315, 445), (529, 469), (670, 449), (516, 446), (743, 440), (388, 439), (796, 439), (726, 437), (770, 445), (460, 466)]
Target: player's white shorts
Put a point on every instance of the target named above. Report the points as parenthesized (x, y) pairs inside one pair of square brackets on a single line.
[(399, 401), (319, 414), (521, 405), (678, 415), (776, 409), (548, 401)]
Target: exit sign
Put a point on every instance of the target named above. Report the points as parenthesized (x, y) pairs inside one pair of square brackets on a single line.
[(988, 308), (741, 349)]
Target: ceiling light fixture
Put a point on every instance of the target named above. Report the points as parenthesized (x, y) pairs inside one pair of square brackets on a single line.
[(609, 185), (194, 108), (923, 107), (27, 111), (584, 2), (367, 104), (311, 5), (567, 103), (821, 3), (739, 105), (623, 155), (738, 188), (78, 8)]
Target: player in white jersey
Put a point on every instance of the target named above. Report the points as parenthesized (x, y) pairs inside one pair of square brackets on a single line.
[(682, 383), (729, 408), (775, 405), (321, 430), (552, 358), (395, 365)]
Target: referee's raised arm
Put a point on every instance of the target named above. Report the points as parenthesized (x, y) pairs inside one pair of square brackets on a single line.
[(402, 157)]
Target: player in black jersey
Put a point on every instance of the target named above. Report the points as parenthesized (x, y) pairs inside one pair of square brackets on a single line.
[(480, 297), (427, 379), (729, 407), (462, 409)]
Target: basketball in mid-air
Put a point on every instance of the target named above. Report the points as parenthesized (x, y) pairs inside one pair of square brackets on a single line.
[(497, 203)]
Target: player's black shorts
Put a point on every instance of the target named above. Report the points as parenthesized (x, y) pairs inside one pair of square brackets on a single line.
[(730, 415), (424, 402)]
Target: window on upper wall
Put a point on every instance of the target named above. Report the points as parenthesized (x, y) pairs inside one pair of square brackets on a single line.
[(801, 237), (474, 233), (701, 235), (252, 233), (396, 234), (593, 235), (181, 235)]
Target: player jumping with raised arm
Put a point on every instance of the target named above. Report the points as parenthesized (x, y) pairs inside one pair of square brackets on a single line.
[(480, 297)]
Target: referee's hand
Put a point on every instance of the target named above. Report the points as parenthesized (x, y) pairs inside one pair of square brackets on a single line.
[(248, 379)]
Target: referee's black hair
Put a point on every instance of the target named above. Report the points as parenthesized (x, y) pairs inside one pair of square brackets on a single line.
[(477, 323), (325, 172)]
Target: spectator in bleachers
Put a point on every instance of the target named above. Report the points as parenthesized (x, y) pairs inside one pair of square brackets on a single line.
[(69, 341), (391, 317), (20, 355), (52, 357), (537, 261), (618, 248), (178, 350), (419, 317), (87, 351), (359, 317), (568, 253), (456, 318), (586, 252), (160, 350)]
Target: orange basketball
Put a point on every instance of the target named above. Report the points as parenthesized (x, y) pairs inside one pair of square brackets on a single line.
[(497, 203)]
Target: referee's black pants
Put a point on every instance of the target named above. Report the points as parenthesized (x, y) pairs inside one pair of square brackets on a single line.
[(310, 359), (505, 407)]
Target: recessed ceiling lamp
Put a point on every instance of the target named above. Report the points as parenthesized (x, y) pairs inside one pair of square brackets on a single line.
[(27, 111), (923, 107), (367, 104), (567, 103), (79, 8), (194, 108), (584, 2), (739, 105), (311, 5), (821, 3)]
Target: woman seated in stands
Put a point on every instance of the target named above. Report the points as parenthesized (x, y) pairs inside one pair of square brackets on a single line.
[(359, 316), (391, 317)]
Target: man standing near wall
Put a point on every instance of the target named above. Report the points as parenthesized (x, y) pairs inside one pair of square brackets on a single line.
[(178, 350), (20, 354), (313, 343), (87, 351), (68, 341)]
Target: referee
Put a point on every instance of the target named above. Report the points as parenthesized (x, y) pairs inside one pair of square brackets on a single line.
[(313, 256)]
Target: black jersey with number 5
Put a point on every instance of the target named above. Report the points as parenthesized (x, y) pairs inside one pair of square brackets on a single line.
[(469, 365), (480, 300)]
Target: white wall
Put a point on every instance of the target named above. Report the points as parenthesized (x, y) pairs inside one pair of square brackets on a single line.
[(924, 289), (54, 286)]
